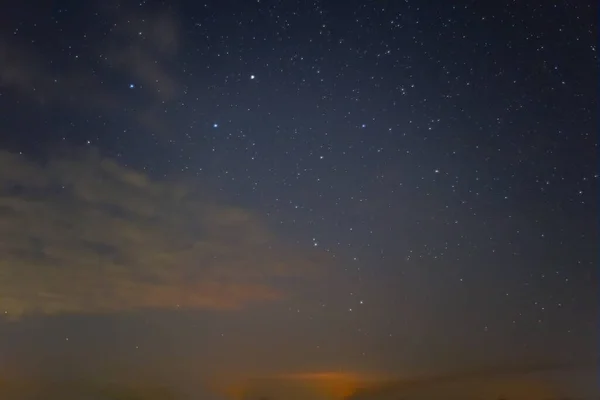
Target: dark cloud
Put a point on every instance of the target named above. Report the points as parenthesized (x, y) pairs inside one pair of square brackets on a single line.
[(530, 382), (135, 50), (67, 390), (24, 70), (85, 234), (18, 69)]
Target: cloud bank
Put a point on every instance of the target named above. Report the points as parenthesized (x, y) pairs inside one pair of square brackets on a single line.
[(84, 234), (546, 381), (32, 390)]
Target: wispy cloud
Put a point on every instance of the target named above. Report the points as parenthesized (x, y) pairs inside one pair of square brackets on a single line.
[(26, 72), (85, 234), (143, 48), (137, 49)]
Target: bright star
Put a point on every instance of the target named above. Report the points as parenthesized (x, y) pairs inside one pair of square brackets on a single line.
[(131, 86), (215, 125), (252, 77)]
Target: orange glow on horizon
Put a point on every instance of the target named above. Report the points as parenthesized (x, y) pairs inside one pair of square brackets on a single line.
[(325, 384)]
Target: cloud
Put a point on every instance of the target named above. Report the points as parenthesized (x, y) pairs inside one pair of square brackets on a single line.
[(529, 382), (142, 48), (84, 234), (26, 72), (18, 69), (136, 49), (66, 390), (496, 388)]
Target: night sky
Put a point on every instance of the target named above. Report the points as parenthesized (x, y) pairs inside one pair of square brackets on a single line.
[(231, 199)]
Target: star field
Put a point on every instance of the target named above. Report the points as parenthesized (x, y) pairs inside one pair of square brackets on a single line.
[(376, 188)]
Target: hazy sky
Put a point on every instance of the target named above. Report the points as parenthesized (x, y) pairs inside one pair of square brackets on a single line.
[(260, 194)]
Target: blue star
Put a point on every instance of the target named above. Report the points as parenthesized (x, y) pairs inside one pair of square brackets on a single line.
[(215, 125), (131, 86)]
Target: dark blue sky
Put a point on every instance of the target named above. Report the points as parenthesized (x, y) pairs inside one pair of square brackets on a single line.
[(261, 187)]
